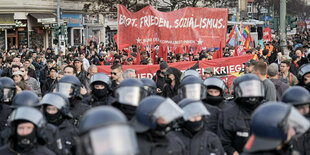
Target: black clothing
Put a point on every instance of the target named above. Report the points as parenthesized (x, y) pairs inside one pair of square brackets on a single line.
[(82, 76), (32, 73), (203, 142), (93, 101), (5, 112), (77, 109), (211, 121), (128, 110), (169, 91), (160, 81), (68, 132), (48, 85), (302, 143), (36, 150), (234, 128), (7, 72), (151, 144)]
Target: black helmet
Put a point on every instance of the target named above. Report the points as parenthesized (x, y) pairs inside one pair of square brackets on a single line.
[(215, 82), (1, 91), (296, 95), (68, 83), (248, 86), (302, 71), (130, 92), (270, 125), (151, 109), (28, 114), (192, 87), (192, 73), (102, 78), (106, 125), (193, 108), (26, 98), (9, 89), (58, 100), (149, 86)]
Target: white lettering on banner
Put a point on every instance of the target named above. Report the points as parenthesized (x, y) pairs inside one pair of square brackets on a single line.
[(145, 75), (176, 42), (227, 69), (191, 22)]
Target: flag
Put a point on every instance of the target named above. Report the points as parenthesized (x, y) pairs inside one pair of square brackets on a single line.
[(153, 56), (247, 42), (246, 32), (137, 62), (196, 66), (231, 34), (236, 50), (165, 53), (235, 38), (121, 46), (218, 53)]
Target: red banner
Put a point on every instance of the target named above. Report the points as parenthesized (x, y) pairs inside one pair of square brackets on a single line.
[(187, 26), (229, 66), (267, 34)]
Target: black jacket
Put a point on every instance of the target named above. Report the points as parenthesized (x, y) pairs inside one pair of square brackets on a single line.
[(234, 128), (150, 144), (5, 111), (203, 142), (36, 150), (160, 81), (302, 143), (211, 121), (93, 101), (48, 85), (77, 109), (82, 76), (68, 132)]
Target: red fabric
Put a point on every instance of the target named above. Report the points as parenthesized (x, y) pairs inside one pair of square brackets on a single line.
[(227, 65), (121, 46), (161, 51), (236, 50), (128, 52), (218, 53), (183, 27), (267, 34), (138, 60), (165, 53), (153, 56), (231, 35)]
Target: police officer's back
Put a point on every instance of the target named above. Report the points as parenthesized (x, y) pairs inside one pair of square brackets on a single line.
[(27, 136), (153, 116), (5, 110), (196, 139), (234, 122)]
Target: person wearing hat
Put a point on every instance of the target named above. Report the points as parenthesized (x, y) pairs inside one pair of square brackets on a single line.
[(208, 72), (44, 71), (281, 87), (159, 77)]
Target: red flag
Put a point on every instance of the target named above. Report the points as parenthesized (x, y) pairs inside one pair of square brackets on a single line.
[(137, 62), (179, 50), (128, 52), (153, 56), (121, 46), (218, 53), (196, 51), (165, 53), (161, 51), (231, 34)]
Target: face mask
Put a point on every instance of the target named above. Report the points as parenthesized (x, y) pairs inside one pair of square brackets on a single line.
[(55, 119), (193, 127), (249, 104), (307, 86), (168, 80), (100, 92), (128, 110), (214, 100), (161, 129), (25, 142)]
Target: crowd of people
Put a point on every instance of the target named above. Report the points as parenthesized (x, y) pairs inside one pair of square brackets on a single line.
[(60, 103)]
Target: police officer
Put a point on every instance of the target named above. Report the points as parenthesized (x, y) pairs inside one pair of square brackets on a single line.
[(215, 92), (105, 130), (153, 116), (299, 97), (128, 95), (56, 111), (149, 86), (234, 122), (27, 135), (304, 76), (70, 86), (52, 136), (100, 85), (5, 111), (190, 72), (196, 139), (274, 125), (192, 87), (9, 90)]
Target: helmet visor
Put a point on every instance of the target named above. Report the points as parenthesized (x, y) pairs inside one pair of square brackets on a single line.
[(168, 111), (66, 89), (116, 139), (194, 109), (27, 113), (192, 91), (8, 94), (252, 88), (129, 95), (298, 122), (217, 82)]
